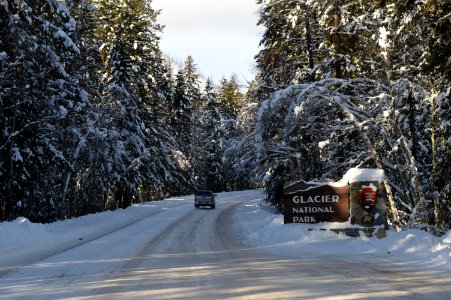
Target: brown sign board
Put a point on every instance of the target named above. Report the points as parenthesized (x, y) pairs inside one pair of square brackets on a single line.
[(314, 203)]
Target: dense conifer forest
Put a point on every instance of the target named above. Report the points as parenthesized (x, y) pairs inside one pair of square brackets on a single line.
[(93, 115)]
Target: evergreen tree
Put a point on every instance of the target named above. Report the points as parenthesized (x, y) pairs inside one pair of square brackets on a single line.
[(134, 72), (41, 110), (418, 46), (191, 77), (182, 112), (239, 152), (280, 59), (230, 97), (210, 170), (85, 14), (354, 39), (435, 65), (194, 126)]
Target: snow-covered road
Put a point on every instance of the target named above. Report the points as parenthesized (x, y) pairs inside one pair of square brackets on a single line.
[(170, 250)]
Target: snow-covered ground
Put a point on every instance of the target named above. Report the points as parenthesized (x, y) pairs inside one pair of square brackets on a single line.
[(260, 226), (22, 241)]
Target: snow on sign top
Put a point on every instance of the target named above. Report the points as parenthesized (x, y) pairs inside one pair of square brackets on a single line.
[(352, 175), (357, 174)]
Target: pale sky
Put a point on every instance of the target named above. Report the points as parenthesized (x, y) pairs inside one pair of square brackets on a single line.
[(221, 35)]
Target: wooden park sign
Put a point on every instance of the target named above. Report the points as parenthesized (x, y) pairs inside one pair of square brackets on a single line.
[(316, 202)]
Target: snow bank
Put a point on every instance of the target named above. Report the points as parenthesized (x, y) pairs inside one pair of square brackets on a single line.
[(22, 241), (261, 227)]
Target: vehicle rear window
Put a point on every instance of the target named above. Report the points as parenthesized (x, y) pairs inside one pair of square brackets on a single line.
[(203, 193)]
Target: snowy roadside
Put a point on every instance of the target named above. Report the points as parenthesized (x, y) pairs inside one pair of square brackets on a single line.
[(259, 226), (22, 241)]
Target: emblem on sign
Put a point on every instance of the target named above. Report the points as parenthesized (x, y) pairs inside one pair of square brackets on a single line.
[(367, 196), (367, 219)]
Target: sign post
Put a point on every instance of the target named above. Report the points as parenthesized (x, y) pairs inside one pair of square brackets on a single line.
[(359, 197), (368, 206)]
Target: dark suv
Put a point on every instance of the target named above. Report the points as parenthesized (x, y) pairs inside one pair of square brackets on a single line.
[(204, 198)]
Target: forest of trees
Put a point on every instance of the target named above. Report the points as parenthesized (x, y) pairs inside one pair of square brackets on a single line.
[(345, 84), (95, 117)]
